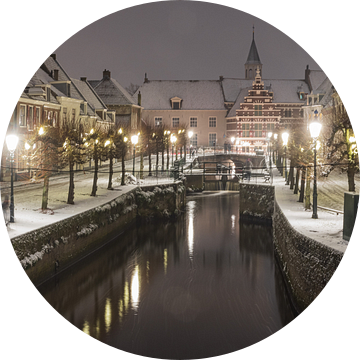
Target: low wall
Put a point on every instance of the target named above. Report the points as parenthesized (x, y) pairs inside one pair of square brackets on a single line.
[(50, 249), (256, 202), (306, 264)]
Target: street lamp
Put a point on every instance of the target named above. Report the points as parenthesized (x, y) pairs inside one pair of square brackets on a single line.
[(134, 141), (11, 143), (285, 138), (315, 128)]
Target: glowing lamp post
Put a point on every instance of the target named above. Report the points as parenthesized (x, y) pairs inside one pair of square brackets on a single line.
[(285, 138), (315, 128), (134, 141), (11, 143)]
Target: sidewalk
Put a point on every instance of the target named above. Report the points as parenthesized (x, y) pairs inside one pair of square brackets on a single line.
[(327, 229)]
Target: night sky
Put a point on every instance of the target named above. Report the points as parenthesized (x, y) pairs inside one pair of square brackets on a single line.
[(179, 41)]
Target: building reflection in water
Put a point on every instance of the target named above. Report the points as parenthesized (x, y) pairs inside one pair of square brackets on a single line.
[(141, 293)]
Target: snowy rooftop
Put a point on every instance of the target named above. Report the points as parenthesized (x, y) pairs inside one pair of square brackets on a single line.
[(111, 92), (196, 94)]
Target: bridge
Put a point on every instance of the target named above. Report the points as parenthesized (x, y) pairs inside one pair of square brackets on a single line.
[(224, 171)]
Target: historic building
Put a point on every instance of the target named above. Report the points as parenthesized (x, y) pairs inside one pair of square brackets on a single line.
[(51, 98), (255, 118), (230, 111), (117, 99)]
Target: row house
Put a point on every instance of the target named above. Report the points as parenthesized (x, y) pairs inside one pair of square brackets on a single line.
[(51, 98)]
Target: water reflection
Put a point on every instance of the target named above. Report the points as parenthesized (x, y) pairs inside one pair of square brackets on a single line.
[(190, 214), (203, 286)]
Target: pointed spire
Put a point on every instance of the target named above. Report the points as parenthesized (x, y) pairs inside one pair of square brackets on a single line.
[(253, 57)]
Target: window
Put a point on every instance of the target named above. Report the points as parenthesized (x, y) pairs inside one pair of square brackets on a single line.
[(258, 110), (270, 127), (193, 122), (175, 122), (73, 115), (212, 121), (30, 118), (22, 115), (158, 121), (37, 116), (245, 130), (212, 139), (64, 113), (176, 103), (193, 141), (288, 113), (55, 119), (50, 117), (258, 130)]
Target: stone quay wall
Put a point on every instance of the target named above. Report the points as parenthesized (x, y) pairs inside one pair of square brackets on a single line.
[(50, 249), (307, 265)]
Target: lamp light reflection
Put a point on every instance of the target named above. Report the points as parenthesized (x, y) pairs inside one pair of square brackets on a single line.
[(191, 207), (135, 288), (107, 315)]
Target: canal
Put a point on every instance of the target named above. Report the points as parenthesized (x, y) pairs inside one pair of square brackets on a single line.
[(202, 286)]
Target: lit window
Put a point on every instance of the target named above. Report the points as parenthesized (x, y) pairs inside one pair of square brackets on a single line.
[(22, 115), (158, 121)]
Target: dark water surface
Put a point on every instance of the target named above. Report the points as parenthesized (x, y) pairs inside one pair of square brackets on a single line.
[(203, 286)]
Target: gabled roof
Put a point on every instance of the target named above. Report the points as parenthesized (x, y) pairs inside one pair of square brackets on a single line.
[(111, 92), (195, 94), (316, 78), (285, 91)]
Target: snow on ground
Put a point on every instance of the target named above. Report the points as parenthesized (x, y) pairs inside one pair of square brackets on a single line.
[(328, 228)]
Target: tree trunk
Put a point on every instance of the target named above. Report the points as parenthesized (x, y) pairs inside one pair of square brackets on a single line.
[(162, 159), (351, 176), (111, 171), (45, 195), (307, 191), (167, 157), (71, 192), (185, 153), (302, 185), (96, 169), (291, 174), (150, 173), (157, 159), (296, 185), (180, 152), (141, 165), (123, 168)]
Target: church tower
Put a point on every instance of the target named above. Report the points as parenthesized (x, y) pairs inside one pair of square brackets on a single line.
[(253, 61)]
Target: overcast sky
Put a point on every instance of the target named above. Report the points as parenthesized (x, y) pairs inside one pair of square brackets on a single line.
[(179, 41)]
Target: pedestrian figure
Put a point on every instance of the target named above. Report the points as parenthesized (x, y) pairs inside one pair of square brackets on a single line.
[(6, 209), (248, 168)]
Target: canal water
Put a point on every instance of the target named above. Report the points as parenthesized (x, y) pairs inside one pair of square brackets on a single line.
[(203, 286)]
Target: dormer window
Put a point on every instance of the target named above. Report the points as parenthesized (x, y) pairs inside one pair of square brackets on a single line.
[(100, 113), (176, 103)]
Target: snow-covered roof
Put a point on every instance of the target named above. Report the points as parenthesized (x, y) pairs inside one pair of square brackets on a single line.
[(316, 78), (111, 92), (195, 94)]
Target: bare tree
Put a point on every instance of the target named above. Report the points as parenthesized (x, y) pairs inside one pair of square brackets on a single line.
[(341, 144)]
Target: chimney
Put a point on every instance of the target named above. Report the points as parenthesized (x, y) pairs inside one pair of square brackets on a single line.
[(56, 74), (139, 98), (106, 74), (53, 56), (83, 78), (146, 80), (307, 77), (221, 78)]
